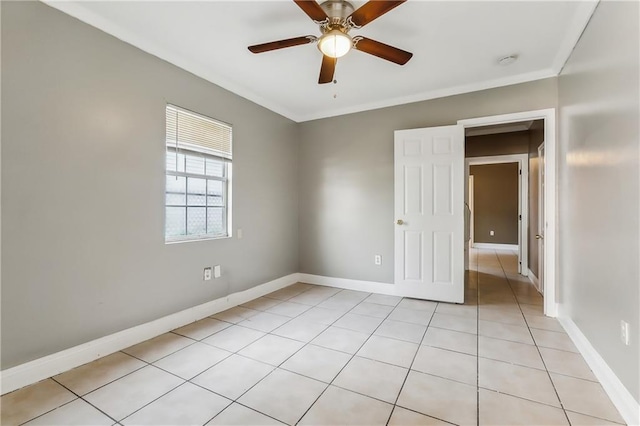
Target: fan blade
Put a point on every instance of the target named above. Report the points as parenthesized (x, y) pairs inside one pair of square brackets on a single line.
[(281, 44), (327, 69), (371, 10), (381, 50), (313, 10)]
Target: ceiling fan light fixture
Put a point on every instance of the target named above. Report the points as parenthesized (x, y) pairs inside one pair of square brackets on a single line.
[(335, 43)]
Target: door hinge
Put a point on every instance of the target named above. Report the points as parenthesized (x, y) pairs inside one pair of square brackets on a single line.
[(519, 217)]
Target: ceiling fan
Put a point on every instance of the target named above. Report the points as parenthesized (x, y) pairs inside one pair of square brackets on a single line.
[(336, 18)]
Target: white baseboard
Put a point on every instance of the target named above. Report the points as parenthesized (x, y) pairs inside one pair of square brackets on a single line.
[(551, 309), (348, 284), (494, 246), (628, 407), (50, 365), (534, 280), (42, 368)]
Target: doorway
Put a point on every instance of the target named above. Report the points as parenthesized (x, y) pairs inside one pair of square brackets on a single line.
[(430, 202), (506, 206), (546, 244)]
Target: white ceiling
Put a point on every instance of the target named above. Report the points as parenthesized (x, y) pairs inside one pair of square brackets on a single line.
[(455, 44)]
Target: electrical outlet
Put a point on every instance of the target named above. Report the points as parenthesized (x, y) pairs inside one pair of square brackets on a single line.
[(216, 271), (624, 332), (492, 233), (206, 276), (377, 259)]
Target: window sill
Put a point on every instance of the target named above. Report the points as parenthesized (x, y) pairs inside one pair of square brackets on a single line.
[(195, 239)]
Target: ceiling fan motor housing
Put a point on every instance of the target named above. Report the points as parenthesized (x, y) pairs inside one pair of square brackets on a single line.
[(337, 11)]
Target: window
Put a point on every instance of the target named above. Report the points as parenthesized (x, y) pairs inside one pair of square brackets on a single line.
[(198, 172)]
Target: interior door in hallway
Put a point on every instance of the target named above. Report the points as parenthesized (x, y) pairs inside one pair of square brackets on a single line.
[(429, 213)]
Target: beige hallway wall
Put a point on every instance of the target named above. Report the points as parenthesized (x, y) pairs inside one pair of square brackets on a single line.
[(495, 203)]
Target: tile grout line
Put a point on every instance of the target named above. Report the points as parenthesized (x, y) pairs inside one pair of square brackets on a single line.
[(353, 355), (544, 369), (596, 417), (511, 363), (350, 359), (152, 365), (535, 343), (154, 400), (395, 403), (119, 377), (108, 383), (82, 397), (304, 345), (236, 400), (77, 397)]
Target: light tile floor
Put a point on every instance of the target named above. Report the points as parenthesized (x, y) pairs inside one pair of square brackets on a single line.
[(317, 355)]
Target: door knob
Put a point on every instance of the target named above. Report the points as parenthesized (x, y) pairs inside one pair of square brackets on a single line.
[(539, 237), (400, 222)]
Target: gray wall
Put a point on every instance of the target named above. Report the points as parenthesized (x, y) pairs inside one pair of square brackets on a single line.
[(83, 187), (346, 175), (83, 169), (599, 192), (495, 203)]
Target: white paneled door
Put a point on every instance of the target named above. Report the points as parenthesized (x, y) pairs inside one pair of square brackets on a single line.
[(429, 213)]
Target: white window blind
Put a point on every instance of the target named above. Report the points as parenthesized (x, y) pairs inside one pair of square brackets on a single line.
[(198, 176), (193, 132)]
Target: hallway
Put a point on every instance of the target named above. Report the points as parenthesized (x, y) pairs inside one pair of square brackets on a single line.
[(512, 329)]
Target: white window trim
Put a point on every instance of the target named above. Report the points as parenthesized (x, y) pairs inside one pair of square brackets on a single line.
[(226, 158)]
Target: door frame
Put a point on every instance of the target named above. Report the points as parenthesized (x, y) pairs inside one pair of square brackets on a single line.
[(523, 200), (541, 216), (550, 191), (470, 195)]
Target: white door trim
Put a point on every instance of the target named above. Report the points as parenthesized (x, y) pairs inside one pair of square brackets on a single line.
[(523, 201), (468, 220), (550, 191), (540, 224), (471, 199)]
